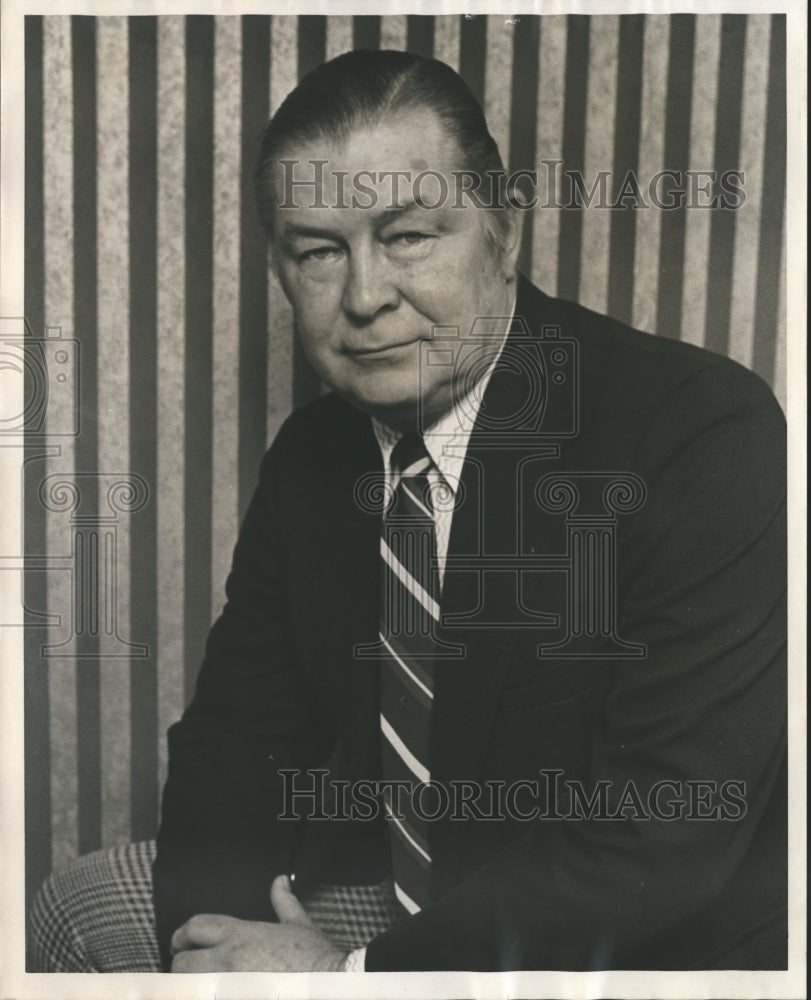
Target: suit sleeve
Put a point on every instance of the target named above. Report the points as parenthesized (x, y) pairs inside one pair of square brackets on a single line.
[(220, 843), (702, 584)]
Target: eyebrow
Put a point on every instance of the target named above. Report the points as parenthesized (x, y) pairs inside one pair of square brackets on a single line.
[(293, 229), (413, 203)]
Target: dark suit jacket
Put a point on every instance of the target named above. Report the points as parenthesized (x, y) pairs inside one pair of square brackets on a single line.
[(700, 580)]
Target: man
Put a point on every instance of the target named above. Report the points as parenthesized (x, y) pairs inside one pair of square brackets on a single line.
[(607, 665)]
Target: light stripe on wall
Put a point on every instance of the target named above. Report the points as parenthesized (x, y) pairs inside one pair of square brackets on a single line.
[(726, 156), (599, 145), (772, 219), (339, 35), (225, 349), (37, 710), (781, 335), (58, 297), (112, 56), (702, 142), (678, 113), (498, 80), (651, 161), (393, 31), (447, 40), (171, 279)]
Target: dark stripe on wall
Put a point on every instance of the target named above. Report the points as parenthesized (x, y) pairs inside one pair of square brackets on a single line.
[(473, 52), (88, 685), (253, 288), (143, 190), (312, 42), (523, 128), (366, 31), (420, 34), (727, 157), (574, 144), (626, 158), (199, 320), (38, 817), (773, 204), (676, 157), (312, 38)]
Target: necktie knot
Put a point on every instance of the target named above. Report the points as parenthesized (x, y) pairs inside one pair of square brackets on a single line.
[(410, 456)]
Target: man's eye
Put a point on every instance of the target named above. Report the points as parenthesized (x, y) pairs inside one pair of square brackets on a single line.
[(319, 254), (409, 238), (408, 242)]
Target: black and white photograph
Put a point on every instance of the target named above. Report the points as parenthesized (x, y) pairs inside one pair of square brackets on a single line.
[(402, 454)]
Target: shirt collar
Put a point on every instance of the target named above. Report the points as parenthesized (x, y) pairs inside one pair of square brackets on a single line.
[(447, 439)]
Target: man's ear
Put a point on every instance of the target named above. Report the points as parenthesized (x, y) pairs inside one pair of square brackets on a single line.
[(511, 241)]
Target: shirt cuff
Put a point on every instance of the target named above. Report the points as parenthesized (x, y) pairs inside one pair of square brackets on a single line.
[(356, 961)]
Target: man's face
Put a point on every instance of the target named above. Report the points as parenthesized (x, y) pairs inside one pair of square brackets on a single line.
[(367, 284)]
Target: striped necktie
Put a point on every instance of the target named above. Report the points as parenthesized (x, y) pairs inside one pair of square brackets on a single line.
[(409, 614)]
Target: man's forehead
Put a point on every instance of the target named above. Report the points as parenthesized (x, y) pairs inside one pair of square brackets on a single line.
[(413, 139), (401, 157)]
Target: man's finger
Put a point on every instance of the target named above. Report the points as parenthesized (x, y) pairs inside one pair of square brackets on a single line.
[(196, 960), (288, 909), (203, 930)]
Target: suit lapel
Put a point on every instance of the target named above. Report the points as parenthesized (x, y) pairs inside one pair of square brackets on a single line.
[(467, 690)]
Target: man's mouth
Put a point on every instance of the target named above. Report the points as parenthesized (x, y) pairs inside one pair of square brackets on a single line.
[(382, 349)]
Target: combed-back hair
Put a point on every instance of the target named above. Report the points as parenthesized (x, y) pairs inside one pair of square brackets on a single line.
[(361, 88)]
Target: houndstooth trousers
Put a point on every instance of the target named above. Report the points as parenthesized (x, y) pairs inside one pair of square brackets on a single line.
[(96, 915)]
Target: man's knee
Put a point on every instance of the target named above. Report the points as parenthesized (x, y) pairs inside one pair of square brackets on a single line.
[(54, 941), (96, 915)]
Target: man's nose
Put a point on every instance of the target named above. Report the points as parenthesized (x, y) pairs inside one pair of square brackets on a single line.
[(370, 285)]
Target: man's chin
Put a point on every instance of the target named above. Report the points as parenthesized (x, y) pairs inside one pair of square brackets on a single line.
[(400, 414), (396, 402)]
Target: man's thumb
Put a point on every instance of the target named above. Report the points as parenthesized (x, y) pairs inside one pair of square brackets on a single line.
[(288, 909)]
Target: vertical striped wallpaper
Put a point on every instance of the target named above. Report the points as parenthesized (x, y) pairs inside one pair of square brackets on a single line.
[(141, 243)]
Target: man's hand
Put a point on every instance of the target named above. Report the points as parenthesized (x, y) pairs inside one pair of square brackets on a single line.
[(216, 943)]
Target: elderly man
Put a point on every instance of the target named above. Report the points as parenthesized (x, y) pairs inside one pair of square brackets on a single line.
[(499, 682)]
